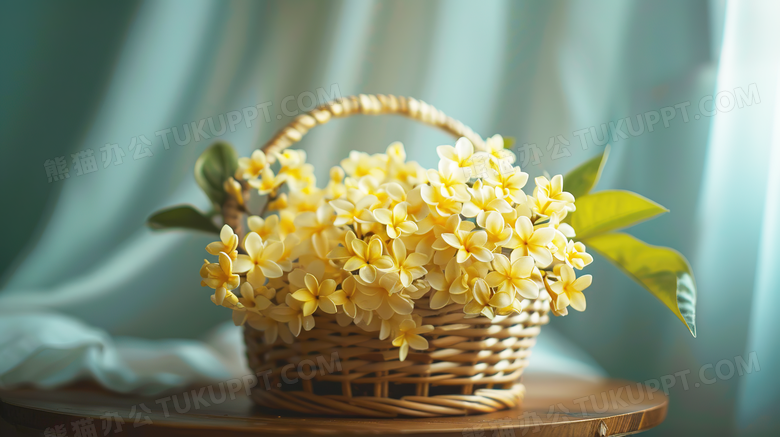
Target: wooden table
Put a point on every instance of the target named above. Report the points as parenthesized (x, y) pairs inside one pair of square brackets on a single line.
[(554, 406)]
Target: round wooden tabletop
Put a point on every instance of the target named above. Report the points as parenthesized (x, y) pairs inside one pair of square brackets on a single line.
[(554, 406)]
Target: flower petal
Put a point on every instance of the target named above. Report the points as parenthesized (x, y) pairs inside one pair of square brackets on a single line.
[(270, 269), (273, 251), (353, 264), (253, 244), (242, 263), (327, 305), (452, 240), (417, 342), (312, 284), (542, 237), (225, 234), (541, 254), (383, 215), (524, 228), (439, 299), (577, 300), (527, 288), (482, 254), (582, 282)]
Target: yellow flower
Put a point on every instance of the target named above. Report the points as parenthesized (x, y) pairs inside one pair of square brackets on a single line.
[(553, 191), (226, 298), (311, 226), (418, 289), (351, 295), (460, 155), (499, 156), (508, 184), (279, 203), (335, 187), (267, 229), (545, 207), (286, 223), (291, 159), (220, 275), (256, 297), (250, 168), (385, 296), (385, 233), (344, 251), (393, 192), (408, 267), (510, 277), (558, 244), (368, 297), (498, 232), (368, 185), (516, 307), (317, 295), (271, 328), (361, 164), (484, 200), (398, 222), (355, 208), (409, 174), (442, 204), (469, 244), (261, 260), (298, 201), (563, 228), (268, 181), (409, 336), (568, 288), (447, 284), (396, 152), (292, 313), (300, 177), (254, 300), (290, 243), (529, 242), (307, 183), (368, 258), (227, 244), (576, 256), (481, 302), (416, 206), (233, 189), (433, 219), (443, 251), (449, 181)]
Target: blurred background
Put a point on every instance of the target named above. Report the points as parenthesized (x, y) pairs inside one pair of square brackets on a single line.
[(122, 97)]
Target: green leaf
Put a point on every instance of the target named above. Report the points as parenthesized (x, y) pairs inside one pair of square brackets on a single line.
[(661, 270), (611, 210), (217, 163), (509, 142), (182, 216), (582, 179)]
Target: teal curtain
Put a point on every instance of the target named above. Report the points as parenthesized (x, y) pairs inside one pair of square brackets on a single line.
[(89, 292)]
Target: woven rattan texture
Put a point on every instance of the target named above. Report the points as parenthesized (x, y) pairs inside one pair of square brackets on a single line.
[(473, 366), (369, 104)]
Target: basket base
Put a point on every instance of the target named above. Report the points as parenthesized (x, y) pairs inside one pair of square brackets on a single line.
[(301, 402)]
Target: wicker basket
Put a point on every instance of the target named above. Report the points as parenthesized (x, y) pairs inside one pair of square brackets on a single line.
[(473, 365)]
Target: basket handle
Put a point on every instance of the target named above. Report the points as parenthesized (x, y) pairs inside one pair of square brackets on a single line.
[(368, 104)]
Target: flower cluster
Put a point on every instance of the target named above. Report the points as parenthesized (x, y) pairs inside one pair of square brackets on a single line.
[(385, 236)]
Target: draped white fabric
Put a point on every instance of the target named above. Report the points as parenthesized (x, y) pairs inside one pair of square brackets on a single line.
[(101, 297)]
